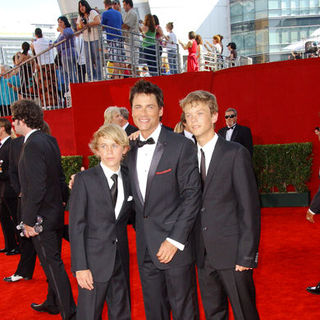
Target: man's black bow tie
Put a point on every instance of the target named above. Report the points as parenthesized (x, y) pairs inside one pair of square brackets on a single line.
[(231, 127), (142, 143)]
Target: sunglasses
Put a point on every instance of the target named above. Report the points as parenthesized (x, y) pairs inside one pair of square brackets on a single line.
[(231, 116)]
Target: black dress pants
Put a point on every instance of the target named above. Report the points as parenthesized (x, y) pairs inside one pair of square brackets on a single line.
[(48, 247)]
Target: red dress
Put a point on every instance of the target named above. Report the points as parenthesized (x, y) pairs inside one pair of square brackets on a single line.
[(193, 64)]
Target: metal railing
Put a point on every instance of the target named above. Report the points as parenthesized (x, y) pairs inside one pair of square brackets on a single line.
[(91, 54)]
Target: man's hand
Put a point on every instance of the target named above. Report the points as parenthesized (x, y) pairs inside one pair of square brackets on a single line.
[(29, 231), (241, 268), (71, 181), (166, 252), (85, 279), (310, 217), (134, 136)]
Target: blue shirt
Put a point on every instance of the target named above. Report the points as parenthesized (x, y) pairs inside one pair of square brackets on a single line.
[(8, 95), (112, 18), (67, 48)]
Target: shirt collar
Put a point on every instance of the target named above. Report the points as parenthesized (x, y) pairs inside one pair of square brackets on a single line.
[(108, 172), (188, 134), (233, 126), (125, 126), (4, 140), (29, 134), (155, 135), (210, 145)]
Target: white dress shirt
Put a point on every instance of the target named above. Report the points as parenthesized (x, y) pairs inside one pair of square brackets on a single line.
[(120, 198), (189, 135), (230, 132), (144, 158), (208, 149), (125, 126), (3, 141)]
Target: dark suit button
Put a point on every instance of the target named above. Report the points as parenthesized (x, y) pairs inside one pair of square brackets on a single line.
[(204, 228), (203, 209)]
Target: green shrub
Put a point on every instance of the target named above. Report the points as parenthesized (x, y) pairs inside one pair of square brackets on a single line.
[(93, 161), (71, 165), (281, 165)]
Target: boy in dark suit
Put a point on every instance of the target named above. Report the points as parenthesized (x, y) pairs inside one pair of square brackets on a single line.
[(227, 230), (100, 205)]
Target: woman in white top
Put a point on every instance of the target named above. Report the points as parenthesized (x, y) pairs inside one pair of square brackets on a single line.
[(171, 45), (88, 20), (216, 47)]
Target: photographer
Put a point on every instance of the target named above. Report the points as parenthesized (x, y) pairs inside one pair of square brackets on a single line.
[(89, 20)]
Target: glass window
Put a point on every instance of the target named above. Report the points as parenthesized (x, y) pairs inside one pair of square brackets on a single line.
[(304, 3), (248, 10), (274, 37), (274, 4), (285, 37), (294, 35)]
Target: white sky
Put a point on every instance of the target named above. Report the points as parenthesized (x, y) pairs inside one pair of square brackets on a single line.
[(17, 15)]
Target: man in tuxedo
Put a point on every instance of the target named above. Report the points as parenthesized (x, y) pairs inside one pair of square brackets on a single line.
[(99, 211), (126, 126), (166, 188), (40, 174), (8, 197), (227, 230), (234, 132), (312, 211)]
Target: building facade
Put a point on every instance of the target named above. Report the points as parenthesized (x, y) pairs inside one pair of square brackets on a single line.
[(263, 28)]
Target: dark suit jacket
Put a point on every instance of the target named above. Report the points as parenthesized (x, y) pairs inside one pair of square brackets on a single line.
[(14, 156), (173, 198), (95, 233), (130, 129), (6, 191), (228, 227), (241, 134), (41, 179), (315, 203)]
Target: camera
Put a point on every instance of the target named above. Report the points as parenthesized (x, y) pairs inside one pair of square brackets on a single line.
[(84, 20)]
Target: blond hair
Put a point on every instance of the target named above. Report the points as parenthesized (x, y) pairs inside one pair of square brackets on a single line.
[(201, 96), (111, 131), (109, 113)]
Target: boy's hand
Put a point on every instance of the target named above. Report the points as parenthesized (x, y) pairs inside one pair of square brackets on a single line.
[(85, 279)]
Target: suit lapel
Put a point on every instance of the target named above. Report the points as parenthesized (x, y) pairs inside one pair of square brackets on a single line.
[(125, 183), (235, 132), (156, 159), (134, 174), (214, 162)]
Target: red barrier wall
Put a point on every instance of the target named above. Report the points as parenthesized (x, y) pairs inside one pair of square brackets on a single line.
[(278, 101)]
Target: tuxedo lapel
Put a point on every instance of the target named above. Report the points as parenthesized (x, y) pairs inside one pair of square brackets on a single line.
[(214, 162), (155, 160), (134, 174), (125, 183), (235, 133)]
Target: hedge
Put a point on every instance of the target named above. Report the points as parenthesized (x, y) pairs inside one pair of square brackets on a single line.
[(277, 166), (71, 165)]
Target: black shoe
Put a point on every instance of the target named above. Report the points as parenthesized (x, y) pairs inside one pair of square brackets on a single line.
[(13, 252), (15, 278), (3, 250), (43, 307), (314, 290)]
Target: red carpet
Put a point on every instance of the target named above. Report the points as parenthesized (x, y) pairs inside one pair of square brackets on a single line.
[(289, 262)]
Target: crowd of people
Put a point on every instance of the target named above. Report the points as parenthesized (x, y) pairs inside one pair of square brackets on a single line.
[(161, 182), (134, 48)]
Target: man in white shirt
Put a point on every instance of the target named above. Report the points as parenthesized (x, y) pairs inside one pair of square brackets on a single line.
[(165, 185)]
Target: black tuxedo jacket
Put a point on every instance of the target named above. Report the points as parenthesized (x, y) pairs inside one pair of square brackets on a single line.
[(14, 156), (95, 233), (6, 191), (315, 203), (42, 181), (241, 134), (130, 129), (172, 200), (228, 227)]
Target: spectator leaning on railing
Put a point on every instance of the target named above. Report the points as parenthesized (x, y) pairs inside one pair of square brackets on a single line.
[(88, 20), (47, 75), (171, 44)]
